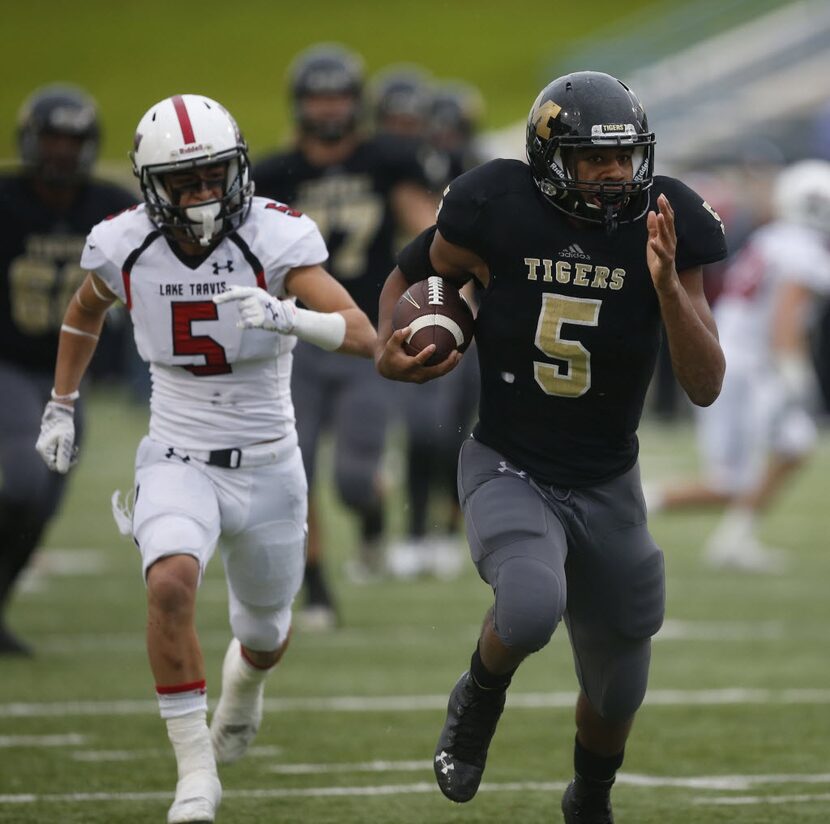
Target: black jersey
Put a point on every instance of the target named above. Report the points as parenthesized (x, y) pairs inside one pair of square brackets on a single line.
[(350, 203), (568, 330), (40, 252)]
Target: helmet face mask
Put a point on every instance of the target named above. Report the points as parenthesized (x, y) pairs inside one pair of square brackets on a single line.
[(327, 71), (590, 110), (58, 135), (190, 133)]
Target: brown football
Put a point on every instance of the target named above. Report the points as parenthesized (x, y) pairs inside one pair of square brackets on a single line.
[(437, 313)]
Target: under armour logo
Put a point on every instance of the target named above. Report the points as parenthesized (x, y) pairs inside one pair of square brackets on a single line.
[(441, 759), (503, 467), (171, 453), (217, 268)]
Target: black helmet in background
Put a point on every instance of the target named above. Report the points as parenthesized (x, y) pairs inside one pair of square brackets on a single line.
[(58, 134), (327, 70)]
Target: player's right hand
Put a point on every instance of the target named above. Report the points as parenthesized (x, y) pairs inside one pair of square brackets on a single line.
[(56, 442), (394, 363)]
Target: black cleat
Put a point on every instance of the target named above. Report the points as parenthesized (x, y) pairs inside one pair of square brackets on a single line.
[(472, 715), (588, 802)]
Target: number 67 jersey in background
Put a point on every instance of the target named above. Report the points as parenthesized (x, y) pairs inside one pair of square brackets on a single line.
[(193, 345)]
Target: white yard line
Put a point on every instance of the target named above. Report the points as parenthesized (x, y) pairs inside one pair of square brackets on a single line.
[(428, 787), (72, 739), (409, 703)]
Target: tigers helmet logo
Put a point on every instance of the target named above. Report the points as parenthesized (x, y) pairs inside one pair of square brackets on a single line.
[(543, 115), (137, 141)]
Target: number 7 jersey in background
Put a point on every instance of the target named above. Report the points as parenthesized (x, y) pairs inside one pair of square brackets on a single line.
[(194, 346)]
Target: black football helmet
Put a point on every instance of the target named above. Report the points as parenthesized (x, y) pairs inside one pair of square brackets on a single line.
[(59, 110), (399, 99), (580, 110), (327, 69), (455, 112)]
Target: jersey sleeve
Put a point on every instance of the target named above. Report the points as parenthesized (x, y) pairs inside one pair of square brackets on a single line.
[(98, 257), (700, 232), (461, 213), (291, 240)]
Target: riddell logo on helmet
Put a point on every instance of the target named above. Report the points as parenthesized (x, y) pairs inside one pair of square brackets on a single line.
[(190, 148)]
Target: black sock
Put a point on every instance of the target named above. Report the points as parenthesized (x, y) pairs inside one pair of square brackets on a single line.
[(317, 590), (591, 767), (486, 679)]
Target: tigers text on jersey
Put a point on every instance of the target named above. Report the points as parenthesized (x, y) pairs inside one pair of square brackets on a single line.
[(350, 202), (569, 326), (39, 271), (214, 385), (777, 253)]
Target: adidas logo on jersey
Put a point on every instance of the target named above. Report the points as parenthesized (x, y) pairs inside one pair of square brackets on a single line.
[(574, 251)]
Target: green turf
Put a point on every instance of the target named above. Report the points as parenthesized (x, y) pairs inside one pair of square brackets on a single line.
[(412, 640), (131, 55)]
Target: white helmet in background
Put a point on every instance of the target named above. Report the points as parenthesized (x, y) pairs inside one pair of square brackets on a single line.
[(184, 132), (802, 194)]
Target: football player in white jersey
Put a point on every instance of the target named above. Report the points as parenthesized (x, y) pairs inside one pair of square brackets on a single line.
[(209, 274), (760, 430)]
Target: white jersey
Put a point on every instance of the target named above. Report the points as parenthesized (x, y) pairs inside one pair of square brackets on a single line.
[(776, 253), (214, 386)]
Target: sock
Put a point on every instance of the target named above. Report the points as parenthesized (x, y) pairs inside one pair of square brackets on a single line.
[(595, 768), (184, 709), (242, 682), (486, 679), (317, 591)]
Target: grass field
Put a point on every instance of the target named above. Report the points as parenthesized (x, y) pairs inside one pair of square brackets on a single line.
[(736, 727)]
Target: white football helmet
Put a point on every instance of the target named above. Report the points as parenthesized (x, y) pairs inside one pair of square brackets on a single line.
[(802, 194), (180, 133)]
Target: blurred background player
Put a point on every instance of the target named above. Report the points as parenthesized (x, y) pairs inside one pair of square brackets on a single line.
[(46, 210), (364, 193), (438, 416), (760, 430)]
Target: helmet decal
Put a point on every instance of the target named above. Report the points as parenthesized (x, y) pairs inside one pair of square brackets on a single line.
[(184, 119), (542, 116)]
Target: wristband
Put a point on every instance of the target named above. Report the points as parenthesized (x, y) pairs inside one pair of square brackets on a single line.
[(324, 329), (72, 396)]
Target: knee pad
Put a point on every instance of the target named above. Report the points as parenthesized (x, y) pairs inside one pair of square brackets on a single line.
[(259, 628), (530, 602), (618, 692), (357, 485)]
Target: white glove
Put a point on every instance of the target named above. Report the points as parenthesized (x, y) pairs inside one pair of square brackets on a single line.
[(259, 310), (56, 442)]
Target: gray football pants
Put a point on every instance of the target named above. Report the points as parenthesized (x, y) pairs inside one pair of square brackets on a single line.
[(584, 555), (348, 396)]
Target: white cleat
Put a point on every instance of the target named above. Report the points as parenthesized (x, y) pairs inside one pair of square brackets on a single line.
[(748, 555), (238, 714), (197, 796)]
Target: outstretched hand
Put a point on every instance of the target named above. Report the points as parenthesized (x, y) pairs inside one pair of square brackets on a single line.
[(394, 363), (662, 246), (259, 310)]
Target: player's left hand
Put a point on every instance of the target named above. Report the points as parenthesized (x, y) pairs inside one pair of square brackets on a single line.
[(394, 363), (662, 246), (259, 310), (56, 442)]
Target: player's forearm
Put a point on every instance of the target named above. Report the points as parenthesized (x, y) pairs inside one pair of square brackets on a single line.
[(696, 355), (360, 335), (78, 340), (396, 284)]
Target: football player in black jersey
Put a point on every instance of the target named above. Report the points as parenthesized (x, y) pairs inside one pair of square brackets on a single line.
[(362, 192), (46, 210), (443, 117), (581, 253)]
